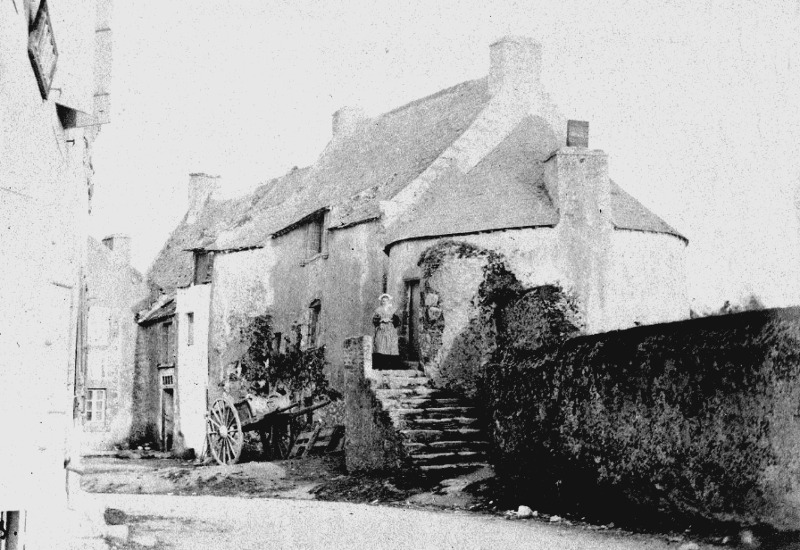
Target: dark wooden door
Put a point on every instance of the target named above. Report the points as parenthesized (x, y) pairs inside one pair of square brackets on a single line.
[(412, 319), (167, 418)]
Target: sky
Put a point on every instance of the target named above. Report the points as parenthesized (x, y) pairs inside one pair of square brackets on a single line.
[(696, 102)]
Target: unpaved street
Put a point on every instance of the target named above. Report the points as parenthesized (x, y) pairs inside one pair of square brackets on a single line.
[(198, 522)]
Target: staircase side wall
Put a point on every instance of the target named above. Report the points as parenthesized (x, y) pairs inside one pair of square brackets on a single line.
[(372, 443)]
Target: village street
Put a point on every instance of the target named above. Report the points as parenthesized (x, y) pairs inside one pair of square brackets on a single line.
[(196, 522)]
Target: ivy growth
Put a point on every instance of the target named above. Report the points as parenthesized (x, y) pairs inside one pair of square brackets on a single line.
[(264, 367)]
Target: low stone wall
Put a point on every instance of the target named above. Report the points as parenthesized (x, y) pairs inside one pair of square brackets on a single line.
[(371, 441), (697, 419)]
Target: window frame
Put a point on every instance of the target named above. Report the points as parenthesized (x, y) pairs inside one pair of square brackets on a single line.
[(314, 316), (190, 328), (203, 259), (91, 408), (315, 243)]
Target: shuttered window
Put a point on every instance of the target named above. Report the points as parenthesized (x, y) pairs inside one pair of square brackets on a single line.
[(203, 266)]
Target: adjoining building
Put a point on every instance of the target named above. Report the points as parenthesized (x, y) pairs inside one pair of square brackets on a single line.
[(482, 166), (55, 66), (115, 292)]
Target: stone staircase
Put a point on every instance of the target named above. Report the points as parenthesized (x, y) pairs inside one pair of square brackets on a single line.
[(441, 431)]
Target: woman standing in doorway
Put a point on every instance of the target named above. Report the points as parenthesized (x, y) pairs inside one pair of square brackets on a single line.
[(386, 353)]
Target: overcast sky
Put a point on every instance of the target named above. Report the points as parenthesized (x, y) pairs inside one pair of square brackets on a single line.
[(696, 102)]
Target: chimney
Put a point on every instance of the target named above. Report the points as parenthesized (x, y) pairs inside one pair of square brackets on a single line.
[(120, 244), (346, 120), (201, 187), (577, 181), (515, 64)]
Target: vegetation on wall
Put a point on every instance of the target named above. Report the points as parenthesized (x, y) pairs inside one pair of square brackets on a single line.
[(264, 367), (462, 368), (696, 419)]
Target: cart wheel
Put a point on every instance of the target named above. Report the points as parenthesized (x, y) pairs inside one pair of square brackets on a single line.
[(281, 439), (225, 436)]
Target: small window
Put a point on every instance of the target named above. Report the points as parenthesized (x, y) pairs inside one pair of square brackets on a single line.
[(313, 323), (190, 329), (203, 266), (315, 237), (167, 344), (96, 405)]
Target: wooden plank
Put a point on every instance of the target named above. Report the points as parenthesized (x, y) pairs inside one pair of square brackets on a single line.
[(303, 442)]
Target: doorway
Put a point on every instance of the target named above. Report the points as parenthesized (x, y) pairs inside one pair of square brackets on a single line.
[(167, 418), (412, 315)]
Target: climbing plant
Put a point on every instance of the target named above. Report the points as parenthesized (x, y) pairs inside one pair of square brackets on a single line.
[(264, 366)]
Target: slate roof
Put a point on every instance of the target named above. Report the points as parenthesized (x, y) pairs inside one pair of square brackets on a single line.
[(161, 309)]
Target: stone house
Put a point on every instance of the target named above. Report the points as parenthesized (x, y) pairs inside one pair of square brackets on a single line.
[(55, 62), (424, 202), (115, 291)]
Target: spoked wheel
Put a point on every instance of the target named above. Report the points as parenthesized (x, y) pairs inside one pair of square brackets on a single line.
[(225, 436), (281, 439)]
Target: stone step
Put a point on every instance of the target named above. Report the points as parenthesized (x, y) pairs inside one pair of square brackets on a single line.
[(451, 422), (447, 458), (451, 469), (429, 435), (453, 445), (415, 392), (402, 382), (428, 402), (408, 373), (434, 412)]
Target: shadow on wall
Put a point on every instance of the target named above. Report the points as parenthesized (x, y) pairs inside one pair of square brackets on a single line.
[(500, 312)]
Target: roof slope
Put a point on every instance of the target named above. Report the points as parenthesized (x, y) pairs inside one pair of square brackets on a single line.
[(506, 190), (378, 159)]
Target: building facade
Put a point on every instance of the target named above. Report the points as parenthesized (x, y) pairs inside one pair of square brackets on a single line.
[(482, 167), (115, 292), (55, 67)]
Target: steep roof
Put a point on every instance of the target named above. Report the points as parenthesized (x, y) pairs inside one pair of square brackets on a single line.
[(377, 159), (506, 190), (354, 172)]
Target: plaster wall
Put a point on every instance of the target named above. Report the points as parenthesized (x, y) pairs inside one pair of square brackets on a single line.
[(44, 171), (280, 281), (647, 280), (113, 289), (530, 254), (191, 373)]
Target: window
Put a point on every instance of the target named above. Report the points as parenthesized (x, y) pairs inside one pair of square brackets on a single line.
[(203, 266), (315, 237), (96, 405), (190, 329), (166, 344), (313, 323)]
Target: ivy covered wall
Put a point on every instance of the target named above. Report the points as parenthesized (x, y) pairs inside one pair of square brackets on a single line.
[(697, 419)]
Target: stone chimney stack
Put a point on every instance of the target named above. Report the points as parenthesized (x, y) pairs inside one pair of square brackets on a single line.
[(515, 65), (346, 120), (120, 244), (577, 181), (201, 188)]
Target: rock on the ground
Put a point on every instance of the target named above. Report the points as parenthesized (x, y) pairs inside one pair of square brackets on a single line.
[(689, 546), (748, 539), (143, 539), (112, 516), (555, 519), (524, 512)]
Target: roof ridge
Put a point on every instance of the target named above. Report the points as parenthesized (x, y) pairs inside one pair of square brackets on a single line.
[(434, 95)]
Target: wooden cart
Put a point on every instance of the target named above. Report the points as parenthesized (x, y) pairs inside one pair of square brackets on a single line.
[(227, 421)]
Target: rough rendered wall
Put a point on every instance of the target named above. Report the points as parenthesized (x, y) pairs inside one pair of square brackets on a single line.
[(191, 373), (113, 289), (144, 428), (457, 336), (371, 442), (647, 284), (275, 280), (696, 420)]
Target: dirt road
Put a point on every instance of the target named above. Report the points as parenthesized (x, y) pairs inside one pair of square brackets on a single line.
[(198, 522)]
